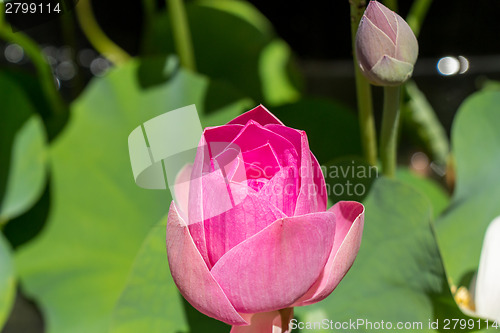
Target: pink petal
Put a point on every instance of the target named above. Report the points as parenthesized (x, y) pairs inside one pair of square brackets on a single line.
[(225, 133), (204, 205), (264, 160), (230, 162), (192, 276), (312, 183), (259, 114), (289, 133), (383, 18), (254, 135), (372, 44), (268, 322), (282, 190), (275, 267), (222, 214), (228, 229), (349, 229), (406, 44), (319, 181), (312, 198)]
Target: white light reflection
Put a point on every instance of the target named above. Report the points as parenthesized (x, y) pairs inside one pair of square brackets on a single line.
[(66, 70), (419, 161), (449, 65), (464, 64), (14, 53), (99, 66)]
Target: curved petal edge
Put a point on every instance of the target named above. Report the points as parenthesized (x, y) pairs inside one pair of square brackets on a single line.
[(349, 230), (191, 274), (268, 322), (292, 253)]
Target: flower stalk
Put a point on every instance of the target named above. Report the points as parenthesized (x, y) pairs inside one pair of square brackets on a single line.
[(363, 92), (389, 134), (97, 37), (391, 4), (182, 35), (417, 14)]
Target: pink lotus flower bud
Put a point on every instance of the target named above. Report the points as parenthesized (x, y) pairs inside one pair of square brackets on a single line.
[(386, 47), (250, 236)]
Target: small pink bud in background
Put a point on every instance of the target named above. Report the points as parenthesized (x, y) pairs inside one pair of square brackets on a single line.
[(386, 47)]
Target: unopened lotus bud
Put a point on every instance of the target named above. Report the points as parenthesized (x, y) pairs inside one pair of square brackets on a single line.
[(386, 47)]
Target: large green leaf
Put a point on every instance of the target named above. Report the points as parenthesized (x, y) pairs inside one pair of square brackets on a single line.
[(7, 281), (260, 67), (436, 195), (332, 129), (150, 302), (476, 148), (22, 152), (27, 170), (398, 275), (78, 267), (349, 178)]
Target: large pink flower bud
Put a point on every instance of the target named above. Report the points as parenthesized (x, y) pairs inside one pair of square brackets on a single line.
[(250, 236), (386, 47)]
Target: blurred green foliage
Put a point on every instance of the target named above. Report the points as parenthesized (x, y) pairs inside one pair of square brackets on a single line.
[(7, 280), (476, 151)]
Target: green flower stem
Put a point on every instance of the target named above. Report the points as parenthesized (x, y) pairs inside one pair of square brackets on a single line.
[(363, 92), (148, 6), (182, 36), (69, 32), (97, 37), (417, 14), (391, 4), (43, 70), (390, 125)]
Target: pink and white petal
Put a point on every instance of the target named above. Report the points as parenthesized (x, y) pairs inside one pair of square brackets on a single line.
[(319, 181), (201, 167), (311, 196), (203, 205), (349, 229), (383, 18), (267, 322), (181, 187), (191, 274), (408, 53), (372, 44), (275, 267), (299, 140), (282, 190), (259, 114), (225, 231)]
